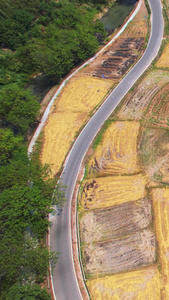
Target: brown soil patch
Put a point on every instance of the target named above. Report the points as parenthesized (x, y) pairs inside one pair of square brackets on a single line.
[(158, 110), (116, 221), (136, 101), (119, 57), (120, 254), (154, 153)]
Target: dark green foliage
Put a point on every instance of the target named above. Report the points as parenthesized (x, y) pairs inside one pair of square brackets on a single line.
[(18, 108), (26, 292)]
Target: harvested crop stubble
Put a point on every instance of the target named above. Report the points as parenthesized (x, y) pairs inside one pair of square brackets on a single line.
[(109, 191), (136, 101), (116, 221), (69, 113), (158, 110), (163, 61), (142, 284), (161, 212), (120, 254), (154, 153), (117, 152)]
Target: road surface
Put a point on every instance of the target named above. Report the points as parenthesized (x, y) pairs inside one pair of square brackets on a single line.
[(64, 280)]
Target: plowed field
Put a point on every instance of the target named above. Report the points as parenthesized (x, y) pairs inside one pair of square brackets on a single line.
[(118, 255), (108, 191), (136, 102), (116, 221), (161, 211), (117, 152), (142, 284), (119, 57), (158, 110)]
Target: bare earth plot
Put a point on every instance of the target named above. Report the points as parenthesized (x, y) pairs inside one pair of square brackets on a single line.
[(115, 221), (118, 255)]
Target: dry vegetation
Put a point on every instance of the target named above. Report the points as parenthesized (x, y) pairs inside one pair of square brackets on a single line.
[(136, 101), (138, 27), (117, 152), (108, 191), (158, 110), (115, 221), (163, 62), (70, 112), (143, 284), (154, 153), (161, 212)]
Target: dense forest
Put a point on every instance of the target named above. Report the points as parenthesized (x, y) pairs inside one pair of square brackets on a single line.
[(36, 37)]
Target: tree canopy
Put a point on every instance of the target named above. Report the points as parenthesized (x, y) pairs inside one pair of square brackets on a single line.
[(36, 37)]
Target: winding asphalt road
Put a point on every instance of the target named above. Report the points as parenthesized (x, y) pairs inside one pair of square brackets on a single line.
[(64, 280)]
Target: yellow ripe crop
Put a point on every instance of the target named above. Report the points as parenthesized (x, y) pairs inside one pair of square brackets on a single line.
[(71, 111), (142, 284), (117, 153), (161, 213), (163, 60), (108, 191)]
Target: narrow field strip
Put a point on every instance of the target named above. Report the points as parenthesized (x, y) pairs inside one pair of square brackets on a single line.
[(143, 284), (161, 215)]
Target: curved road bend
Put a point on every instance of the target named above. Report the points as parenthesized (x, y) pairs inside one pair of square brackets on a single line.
[(64, 279)]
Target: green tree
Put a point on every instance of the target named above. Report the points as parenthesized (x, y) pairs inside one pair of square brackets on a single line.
[(18, 108), (26, 292)]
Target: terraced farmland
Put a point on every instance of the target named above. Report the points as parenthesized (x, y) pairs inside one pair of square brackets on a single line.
[(117, 152)]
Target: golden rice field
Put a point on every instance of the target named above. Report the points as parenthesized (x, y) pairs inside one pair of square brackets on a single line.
[(109, 191), (117, 152), (163, 61), (69, 113), (143, 284), (161, 215)]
